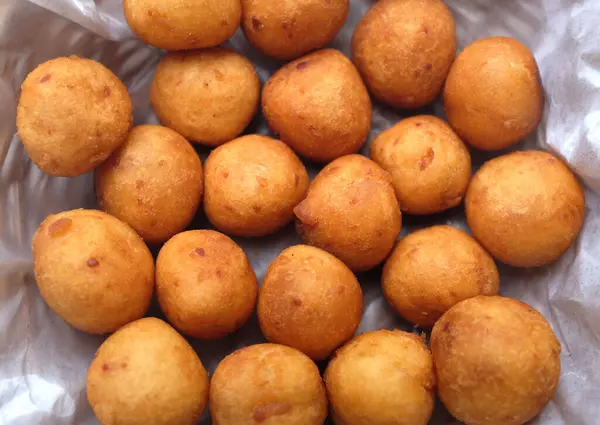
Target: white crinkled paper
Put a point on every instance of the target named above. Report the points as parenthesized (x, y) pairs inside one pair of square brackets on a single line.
[(43, 362)]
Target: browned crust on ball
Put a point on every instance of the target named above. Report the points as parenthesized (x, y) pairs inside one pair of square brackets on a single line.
[(93, 270), (493, 95), (252, 185), (526, 208), (208, 96), (72, 114), (319, 106), (154, 182), (205, 284), (351, 211), (309, 300), (147, 374), (183, 24), (430, 166), (433, 269), (287, 30), (267, 383), (385, 376), (404, 49), (497, 361)]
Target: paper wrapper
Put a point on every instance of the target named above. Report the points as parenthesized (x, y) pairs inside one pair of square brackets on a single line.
[(43, 362)]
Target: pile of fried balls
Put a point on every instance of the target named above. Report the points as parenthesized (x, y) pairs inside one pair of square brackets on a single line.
[(491, 360)]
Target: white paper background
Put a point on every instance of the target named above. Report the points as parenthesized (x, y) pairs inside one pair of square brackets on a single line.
[(43, 362)]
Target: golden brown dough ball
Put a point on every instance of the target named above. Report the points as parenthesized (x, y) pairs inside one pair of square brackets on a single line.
[(309, 300), (208, 96), (183, 24), (319, 106), (526, 208), (497, 361), (493, 96), (380, 378), (404, 49), (154, 183), (289, 29), (267, 383), (93, 270), (205, 284), (351, 211), (147, 374), (432, 269), (430, 166), (72, 114), (252, 186)]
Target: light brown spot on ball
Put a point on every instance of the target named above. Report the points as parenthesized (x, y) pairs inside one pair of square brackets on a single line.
[(105, 367), (426, 159), (107, 91), (92, 262), (266, 411), (296, 301), (139, 184), (302, 65), (198, 252), (262, 181), (225, 175), (60, 227), (45, 78)]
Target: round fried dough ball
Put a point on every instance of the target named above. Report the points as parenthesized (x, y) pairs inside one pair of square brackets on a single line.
[(93, 270), (309, 300), (147, 374), (252, 186), (267, 383), (526, 208), (351, 211), (432, 269), (380, 378), (493, 95), (208, 96), (319, 106), (430, 166), (183, 24), (497, 361), (287, 30), (72, 114), (205, 284), (154, 183), (404, 49)]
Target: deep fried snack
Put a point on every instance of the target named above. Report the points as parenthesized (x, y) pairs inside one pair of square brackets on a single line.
[(267, 383), (404, 49), (154, 183), (183, 24), (526, 208), (72, 114), (351, 211), (497, 361), (252, 186), (493, 95), (319, 106), (430, 166), (147, 374), (208, 96), (432, 269), (309, 300), (93, 270), (289, 29), (205, 284), (380, 378)]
